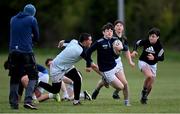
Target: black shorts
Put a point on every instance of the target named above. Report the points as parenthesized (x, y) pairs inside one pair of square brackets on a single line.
[(22, 64)]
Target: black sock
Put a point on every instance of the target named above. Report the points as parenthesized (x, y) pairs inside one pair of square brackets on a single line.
[(144, 92), (116, 91), (97, 89), (144, 88), (55, 88)]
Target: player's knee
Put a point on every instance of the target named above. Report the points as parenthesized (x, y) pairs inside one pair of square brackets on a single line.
[(126, 85), (121, 87), (25, 79), (149, 77)]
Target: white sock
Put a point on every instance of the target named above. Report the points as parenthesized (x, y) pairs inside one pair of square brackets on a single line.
[(82, 95), (70, 86), (126, 101), (50, 95), (65, 94), (75, 101), (34, 97)]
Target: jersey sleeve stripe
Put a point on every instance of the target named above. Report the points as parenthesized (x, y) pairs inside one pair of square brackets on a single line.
[(160, 52)]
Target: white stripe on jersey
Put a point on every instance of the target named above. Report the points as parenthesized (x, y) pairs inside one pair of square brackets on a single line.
[(69, 56), (138, 42), (160, 52)]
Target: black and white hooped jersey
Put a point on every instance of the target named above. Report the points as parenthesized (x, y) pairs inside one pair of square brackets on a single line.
[(155, 49), (73, 52)]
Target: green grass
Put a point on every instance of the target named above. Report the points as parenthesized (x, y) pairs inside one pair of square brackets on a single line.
[(164, 98)]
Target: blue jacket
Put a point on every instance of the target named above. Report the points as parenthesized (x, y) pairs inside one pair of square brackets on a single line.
[(23, 31), (41, 69)]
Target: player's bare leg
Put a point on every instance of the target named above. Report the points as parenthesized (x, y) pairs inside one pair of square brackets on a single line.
[(147, 83), (122, 78), (95, 93), (65, 95)]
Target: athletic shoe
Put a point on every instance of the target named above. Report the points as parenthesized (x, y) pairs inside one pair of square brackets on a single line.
[(57, 97), (65, 99), (87, 96), (15, 107), (35, 101), (115, 95), (126, 103), (77, 103), (94, 94), (30, 106), (143, 100), (143, 97)]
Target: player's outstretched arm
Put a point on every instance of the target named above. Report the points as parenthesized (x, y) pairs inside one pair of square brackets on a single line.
[(128, 56), (95, 68), (134, 54)]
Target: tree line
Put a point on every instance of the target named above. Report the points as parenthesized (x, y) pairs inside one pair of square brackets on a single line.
[(66, 19)]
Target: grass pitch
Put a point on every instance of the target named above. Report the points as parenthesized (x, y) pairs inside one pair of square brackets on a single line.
[(164, 98)]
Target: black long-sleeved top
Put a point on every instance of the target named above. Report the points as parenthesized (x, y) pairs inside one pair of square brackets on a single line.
[(155, 49), (105, 54)]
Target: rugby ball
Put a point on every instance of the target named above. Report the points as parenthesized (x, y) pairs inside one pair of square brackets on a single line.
[(117, 47)]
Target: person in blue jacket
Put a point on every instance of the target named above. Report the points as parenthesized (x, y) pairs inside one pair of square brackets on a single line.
[(23, 32)]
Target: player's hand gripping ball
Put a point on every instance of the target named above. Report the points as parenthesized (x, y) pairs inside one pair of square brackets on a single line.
[(117, 47)]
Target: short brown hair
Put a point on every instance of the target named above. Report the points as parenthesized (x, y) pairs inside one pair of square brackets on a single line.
[(108, 26), (155, 31), (47, 61), (83, 37), (118, 21)]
